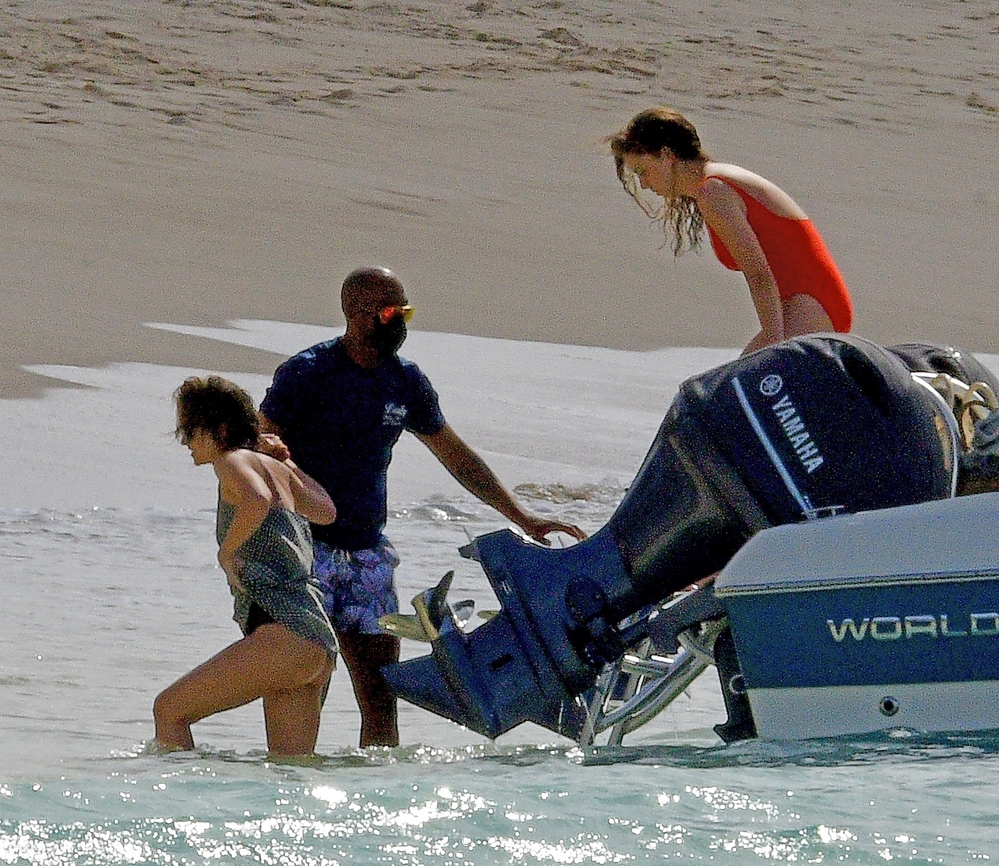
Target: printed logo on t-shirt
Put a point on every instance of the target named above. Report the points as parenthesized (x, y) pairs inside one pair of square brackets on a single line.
[(394, 415)]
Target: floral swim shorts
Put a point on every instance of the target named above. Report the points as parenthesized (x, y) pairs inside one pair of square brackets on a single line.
[(358, 585)]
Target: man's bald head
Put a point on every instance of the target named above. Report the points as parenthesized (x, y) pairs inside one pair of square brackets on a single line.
[(370, 288)]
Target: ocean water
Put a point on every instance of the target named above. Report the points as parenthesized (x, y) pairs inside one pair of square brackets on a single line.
[(106, 544)]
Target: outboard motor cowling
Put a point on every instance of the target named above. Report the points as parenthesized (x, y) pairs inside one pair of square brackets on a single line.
[(954, 361)]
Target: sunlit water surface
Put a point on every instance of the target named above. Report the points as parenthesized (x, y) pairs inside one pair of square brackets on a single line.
[(105, 604)]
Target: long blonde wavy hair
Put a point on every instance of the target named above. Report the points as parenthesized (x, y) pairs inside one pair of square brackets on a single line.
[(649, 133)]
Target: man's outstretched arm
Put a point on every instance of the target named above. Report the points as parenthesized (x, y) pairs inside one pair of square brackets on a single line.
[(472, 473)]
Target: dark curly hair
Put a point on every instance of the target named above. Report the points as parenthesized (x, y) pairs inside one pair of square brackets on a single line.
[(219, 407), (649, 133)]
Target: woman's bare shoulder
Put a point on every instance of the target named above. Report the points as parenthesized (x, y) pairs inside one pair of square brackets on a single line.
[(250, 465), (719, 175)]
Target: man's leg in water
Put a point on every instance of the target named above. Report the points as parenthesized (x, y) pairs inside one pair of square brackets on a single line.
[(359, 587), (364, 655)]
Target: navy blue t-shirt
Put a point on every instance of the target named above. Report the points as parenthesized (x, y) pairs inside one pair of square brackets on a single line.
[(340, 422)]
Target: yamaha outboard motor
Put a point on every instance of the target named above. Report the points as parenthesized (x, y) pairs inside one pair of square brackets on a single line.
[(812, 426)]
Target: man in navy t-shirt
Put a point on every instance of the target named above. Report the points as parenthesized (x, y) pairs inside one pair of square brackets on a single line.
[(340, 406)]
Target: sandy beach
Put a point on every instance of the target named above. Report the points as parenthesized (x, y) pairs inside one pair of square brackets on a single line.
[(200, 162)]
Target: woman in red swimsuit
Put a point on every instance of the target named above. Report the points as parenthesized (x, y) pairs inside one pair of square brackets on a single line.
[(754, 226)]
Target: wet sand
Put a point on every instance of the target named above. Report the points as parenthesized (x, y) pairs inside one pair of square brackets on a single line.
[(198, 162)]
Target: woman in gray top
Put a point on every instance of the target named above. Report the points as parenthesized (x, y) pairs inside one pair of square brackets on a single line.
[(288, 650)]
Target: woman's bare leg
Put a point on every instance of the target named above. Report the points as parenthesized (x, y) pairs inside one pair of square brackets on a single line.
[(272, 659), (802, 315), (292, 717), (805, 315)]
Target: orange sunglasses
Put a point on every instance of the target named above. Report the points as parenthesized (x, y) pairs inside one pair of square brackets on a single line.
[(387, 314)]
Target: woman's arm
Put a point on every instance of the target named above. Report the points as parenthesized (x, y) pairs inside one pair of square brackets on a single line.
[(241, 486), (311, 499), (725, 212)]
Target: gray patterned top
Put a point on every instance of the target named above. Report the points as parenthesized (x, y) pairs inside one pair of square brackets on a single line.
[(278, 574)]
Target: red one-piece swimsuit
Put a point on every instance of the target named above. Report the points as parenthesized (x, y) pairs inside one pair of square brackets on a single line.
[(798, 257)]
